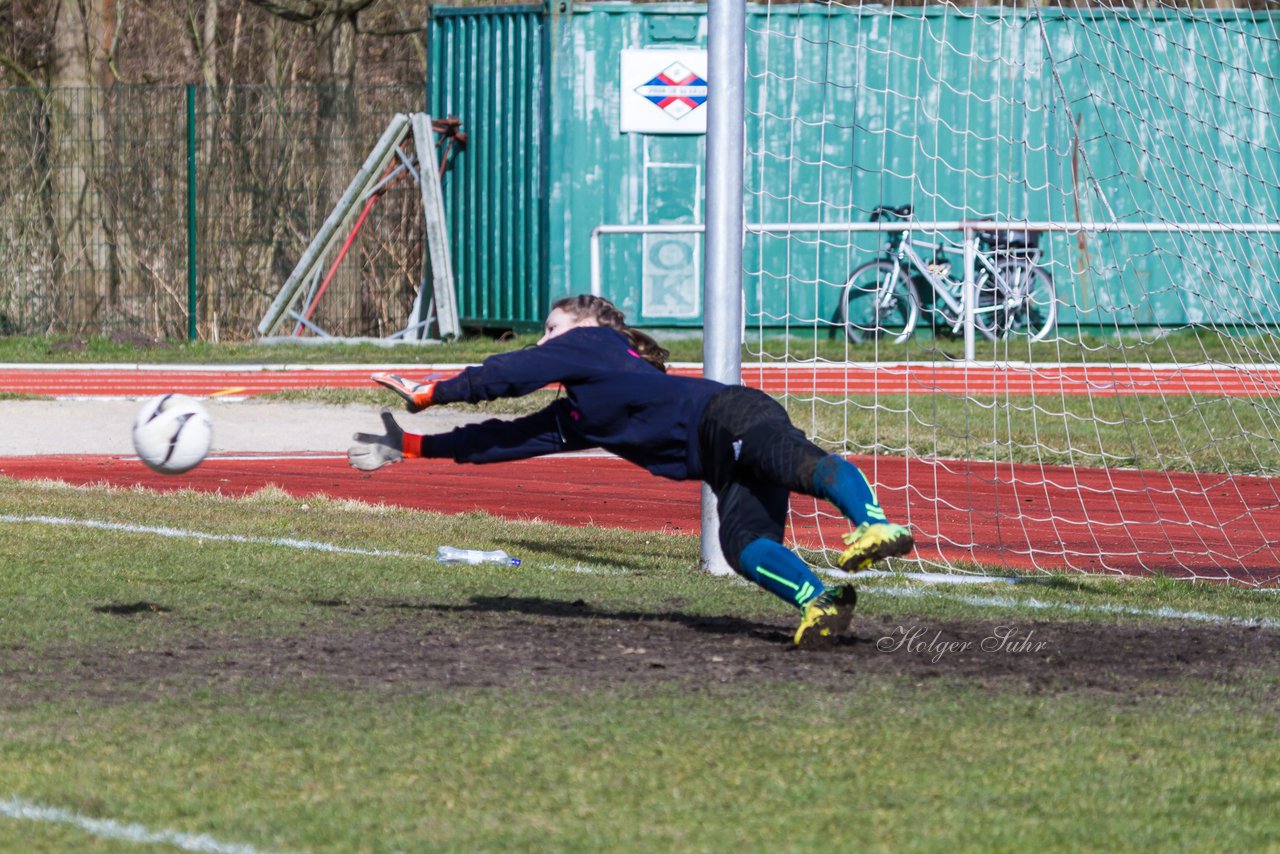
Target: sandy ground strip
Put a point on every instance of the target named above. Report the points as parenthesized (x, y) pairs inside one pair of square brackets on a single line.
[(87, 426)]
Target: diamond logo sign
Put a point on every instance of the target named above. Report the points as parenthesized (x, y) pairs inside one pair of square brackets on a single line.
[(677, 91), (668, 79)]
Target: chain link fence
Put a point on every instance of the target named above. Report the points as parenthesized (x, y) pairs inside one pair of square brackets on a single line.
[(168, 212)]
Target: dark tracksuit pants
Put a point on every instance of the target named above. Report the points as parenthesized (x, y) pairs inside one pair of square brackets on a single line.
[(753, 458)]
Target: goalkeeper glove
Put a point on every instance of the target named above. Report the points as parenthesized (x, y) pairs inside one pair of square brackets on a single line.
[(417, 396), (373, 451)]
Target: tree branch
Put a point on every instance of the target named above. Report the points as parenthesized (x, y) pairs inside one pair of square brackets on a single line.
[(315, 13), (313, 10), (25, 75), (411, 31)]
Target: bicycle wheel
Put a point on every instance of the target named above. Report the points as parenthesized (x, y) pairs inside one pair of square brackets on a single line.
[(1019, 301), (879, 302)]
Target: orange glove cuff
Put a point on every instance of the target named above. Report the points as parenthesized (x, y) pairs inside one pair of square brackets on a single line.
[(411, 446), (426, 397)]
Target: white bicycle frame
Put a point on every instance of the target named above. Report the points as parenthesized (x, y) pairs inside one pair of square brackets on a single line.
[(953, 291)]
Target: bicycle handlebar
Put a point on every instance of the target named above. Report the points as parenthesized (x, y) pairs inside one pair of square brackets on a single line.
[(1004, 239)]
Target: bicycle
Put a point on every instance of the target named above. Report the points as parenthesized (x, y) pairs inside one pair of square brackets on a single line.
[(882, 299)]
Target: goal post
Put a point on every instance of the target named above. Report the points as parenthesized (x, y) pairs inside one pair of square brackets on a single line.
[(1122, 164), (722, 283)]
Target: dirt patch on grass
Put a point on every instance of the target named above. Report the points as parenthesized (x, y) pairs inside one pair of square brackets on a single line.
[(532, 643)]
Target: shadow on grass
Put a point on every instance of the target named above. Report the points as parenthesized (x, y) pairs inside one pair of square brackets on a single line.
[(636, 558), (579, 609), (132, 608)]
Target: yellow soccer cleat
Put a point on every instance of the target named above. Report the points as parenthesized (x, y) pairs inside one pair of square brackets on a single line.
[(826, 617), (872, 542)]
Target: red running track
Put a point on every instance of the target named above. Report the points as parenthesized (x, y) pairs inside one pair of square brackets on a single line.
[(1208, 526), (983, 381), (995, 513)]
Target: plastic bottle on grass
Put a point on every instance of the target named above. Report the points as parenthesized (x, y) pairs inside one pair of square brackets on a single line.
[(448, 554)]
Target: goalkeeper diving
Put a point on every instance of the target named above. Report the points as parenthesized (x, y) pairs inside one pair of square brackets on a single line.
[(619, 397)]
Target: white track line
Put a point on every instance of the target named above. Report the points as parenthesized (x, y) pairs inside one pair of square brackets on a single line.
[(106, 828), (249, 369), (271, 457)]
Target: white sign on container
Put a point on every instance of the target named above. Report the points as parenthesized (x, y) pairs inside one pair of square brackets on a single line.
[(664, 91)]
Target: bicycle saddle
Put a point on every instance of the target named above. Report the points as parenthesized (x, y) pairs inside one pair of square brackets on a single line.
[(903, 212)]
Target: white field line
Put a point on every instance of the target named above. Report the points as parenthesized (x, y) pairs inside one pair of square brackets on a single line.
[(182, 534), (582, 570), (1007, 602), (105, 828), (940, 577), (283, 542), (912, 593)]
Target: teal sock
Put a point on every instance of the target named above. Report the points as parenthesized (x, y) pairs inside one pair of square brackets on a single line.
[(780, 571), (843, 484)]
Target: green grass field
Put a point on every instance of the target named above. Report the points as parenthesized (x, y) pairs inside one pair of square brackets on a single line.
[(286, 674), (603, 696)]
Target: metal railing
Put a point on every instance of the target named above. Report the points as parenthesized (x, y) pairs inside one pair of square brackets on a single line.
[(969, 241)]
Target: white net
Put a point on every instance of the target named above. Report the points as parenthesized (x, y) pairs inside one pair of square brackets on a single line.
[(1113, 175)]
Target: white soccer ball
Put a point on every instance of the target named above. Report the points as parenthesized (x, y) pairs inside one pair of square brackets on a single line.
[(172, 433)]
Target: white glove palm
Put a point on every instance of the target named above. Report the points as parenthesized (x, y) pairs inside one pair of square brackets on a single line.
[(374, 451)]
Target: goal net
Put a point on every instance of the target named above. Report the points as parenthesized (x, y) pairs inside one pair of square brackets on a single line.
[(1066, 355)]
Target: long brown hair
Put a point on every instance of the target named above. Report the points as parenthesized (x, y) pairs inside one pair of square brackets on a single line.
[(605, 313)]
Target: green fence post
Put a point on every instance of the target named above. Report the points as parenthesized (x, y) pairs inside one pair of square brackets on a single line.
[(191, 212)]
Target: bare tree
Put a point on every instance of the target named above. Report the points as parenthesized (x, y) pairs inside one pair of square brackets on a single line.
[(290, 94), (204, 37), (79, 72), (334, 25)]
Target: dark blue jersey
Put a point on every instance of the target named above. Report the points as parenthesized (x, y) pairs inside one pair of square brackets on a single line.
[(614, 400)]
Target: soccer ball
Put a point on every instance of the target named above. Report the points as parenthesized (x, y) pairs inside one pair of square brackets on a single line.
[(172, 433)]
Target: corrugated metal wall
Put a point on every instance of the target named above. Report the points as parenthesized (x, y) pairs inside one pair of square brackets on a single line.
[(988, 113), (487, 66)]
